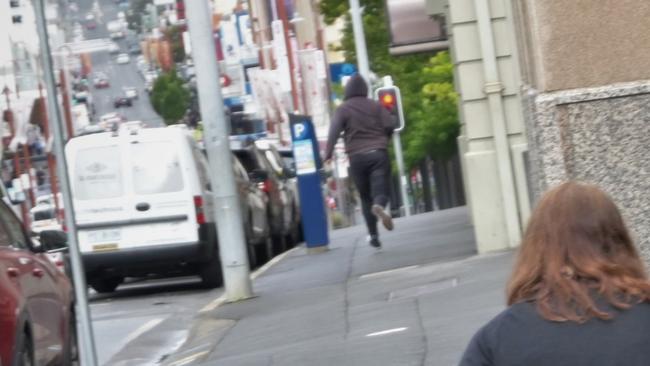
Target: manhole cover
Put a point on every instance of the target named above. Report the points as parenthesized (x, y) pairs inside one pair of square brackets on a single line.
[(435, 286)]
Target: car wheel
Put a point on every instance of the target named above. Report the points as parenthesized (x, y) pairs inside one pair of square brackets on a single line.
[(210, 272), (25, 351), (71, 348), (106, 285)]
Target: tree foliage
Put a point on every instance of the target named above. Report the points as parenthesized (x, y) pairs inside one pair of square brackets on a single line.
[(425, 81), (170, 98)]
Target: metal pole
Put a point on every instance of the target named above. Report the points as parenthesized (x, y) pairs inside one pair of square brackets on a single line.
[(234, 259), (360, 40), (403, 182), (88, 353), (282, 13)]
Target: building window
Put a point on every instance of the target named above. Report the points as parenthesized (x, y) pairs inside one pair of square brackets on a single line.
[(14, 3), (17, 19)]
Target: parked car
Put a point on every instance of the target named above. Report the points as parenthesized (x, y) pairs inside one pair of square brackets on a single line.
[(122, 102), (254, 213), (134, 49), (37, 319), (281, 162), (143, 204), (117, 35), (123, 59), (282, 216), (100, 81)]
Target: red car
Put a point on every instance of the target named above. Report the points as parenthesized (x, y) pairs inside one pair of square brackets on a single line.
[(37, 322)]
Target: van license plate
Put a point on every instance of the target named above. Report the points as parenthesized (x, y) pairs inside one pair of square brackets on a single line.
[(105, 247), (104, 236)]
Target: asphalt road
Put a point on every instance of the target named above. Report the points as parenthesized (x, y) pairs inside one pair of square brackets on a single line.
[(144, 320), (120, 76)]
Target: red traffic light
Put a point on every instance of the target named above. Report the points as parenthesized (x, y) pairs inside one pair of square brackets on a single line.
[(388, 99)]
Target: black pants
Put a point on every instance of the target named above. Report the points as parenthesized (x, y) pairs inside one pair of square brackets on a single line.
[(371, 175)]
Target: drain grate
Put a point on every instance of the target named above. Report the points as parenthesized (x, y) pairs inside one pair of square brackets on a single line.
[(439, 285)]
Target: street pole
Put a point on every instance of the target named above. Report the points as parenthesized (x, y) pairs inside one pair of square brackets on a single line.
[(360, 41), (88, 353), (232, 244), (282, 15)]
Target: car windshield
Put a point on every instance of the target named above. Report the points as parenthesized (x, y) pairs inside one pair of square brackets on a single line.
[(156, 168), (97, 173)]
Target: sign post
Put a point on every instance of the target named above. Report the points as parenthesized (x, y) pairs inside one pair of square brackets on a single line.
[(308, 165)]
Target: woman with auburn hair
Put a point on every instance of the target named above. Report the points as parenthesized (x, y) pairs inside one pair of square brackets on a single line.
[(578, 294)]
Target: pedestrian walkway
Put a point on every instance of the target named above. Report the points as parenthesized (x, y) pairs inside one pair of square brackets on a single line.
[(417, 301)]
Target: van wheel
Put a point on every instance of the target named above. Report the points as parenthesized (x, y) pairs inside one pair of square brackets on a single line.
[(25, 350), (210, 273), (106, 285)]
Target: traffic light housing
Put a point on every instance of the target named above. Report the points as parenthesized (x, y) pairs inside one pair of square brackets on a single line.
[(390, 99)]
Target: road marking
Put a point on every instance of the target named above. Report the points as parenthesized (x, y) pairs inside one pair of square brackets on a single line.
[(390, 271), (189, 359), (143, 329), (260, 271), (388, 331)]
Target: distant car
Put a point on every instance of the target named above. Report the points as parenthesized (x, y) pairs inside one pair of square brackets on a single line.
[(122, 102), (91, 25), (123, 59), (117, 35), (37, 317), (134, 49), (90, 16), (113, 48), (81, 96), (131, 92), (101, 82), (109, 121)]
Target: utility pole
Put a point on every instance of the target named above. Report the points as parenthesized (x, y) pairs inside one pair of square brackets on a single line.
[(88, 353), (234, 259), (360, 41)]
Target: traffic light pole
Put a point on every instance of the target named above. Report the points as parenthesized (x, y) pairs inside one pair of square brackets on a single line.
[(360, 40), (397, 142), (232, 247)]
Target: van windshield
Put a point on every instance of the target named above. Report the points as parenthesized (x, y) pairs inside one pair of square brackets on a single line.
[(97, 173), (156, 168)]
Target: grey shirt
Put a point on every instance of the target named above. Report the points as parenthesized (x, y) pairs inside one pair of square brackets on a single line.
[(520, 336)]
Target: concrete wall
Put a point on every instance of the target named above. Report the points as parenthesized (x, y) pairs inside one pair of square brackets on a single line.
[(587, 80), (493, 139), (584, 43)]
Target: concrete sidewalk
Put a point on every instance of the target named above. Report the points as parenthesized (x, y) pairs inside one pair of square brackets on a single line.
[(415, 302)]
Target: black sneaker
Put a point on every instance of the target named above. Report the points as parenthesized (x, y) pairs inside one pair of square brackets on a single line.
[(374, 241), (384, 216)]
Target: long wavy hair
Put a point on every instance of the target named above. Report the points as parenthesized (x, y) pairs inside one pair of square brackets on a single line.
[(575, 254)]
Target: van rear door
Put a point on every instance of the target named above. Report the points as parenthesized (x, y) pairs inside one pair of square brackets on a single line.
[(139, 197)]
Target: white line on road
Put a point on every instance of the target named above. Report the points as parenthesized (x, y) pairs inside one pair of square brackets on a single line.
[(143, 329), (390, 271), (388, 331), (222, 299)]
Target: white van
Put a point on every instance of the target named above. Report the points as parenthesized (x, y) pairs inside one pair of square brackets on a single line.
[(142, 202)]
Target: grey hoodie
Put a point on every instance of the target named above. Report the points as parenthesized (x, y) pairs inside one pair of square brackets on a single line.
[(365, 124)]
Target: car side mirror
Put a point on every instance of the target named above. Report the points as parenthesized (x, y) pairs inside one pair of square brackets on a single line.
[(53, 240), (258, 175)]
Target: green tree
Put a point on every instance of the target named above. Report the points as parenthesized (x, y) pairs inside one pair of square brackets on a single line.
[(170, 98), (425, 81)]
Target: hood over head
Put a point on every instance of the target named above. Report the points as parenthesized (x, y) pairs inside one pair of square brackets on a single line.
[(356, 87)]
